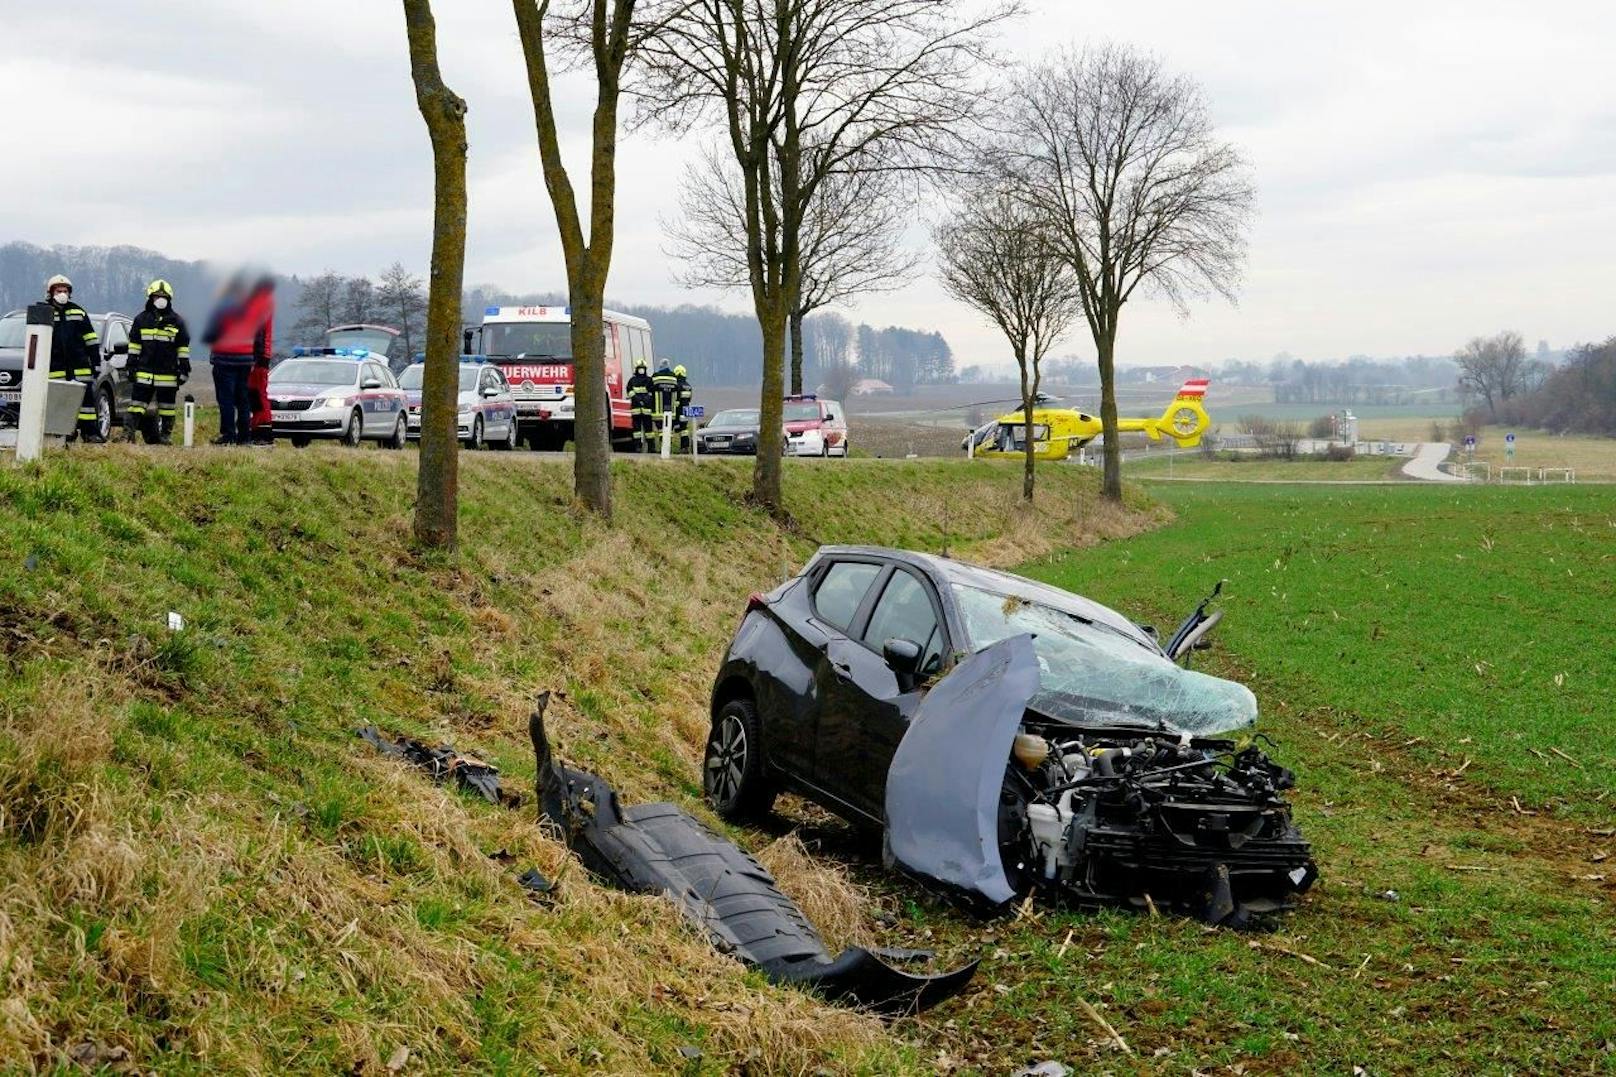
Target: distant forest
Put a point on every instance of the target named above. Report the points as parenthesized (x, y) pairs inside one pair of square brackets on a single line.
[(718, 347)]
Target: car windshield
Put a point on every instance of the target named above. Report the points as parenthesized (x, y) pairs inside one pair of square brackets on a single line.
[(314, 372), (528, 340), (1092, 674), (411, 378), (802, 413), (13, 330), (736, 417)]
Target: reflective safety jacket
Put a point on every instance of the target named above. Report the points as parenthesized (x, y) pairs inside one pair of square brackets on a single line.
[(666, 385), (686, 394), (75, 345), (159, 343), (639, 390)]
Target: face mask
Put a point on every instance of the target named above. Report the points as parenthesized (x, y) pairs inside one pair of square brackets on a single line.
[(160, 303), (59, 298)]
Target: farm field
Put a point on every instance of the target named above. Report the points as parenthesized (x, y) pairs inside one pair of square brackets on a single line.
[(1434, 665), (1594, 458)]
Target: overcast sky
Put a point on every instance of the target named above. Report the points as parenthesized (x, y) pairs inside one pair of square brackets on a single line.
[(1426, 171)]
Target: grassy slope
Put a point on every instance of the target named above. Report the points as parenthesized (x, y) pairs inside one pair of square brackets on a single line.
[(201, 866), (1361, 617)]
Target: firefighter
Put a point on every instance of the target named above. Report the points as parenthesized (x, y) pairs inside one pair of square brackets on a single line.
[(75, 350), (641, 390), (160, 362), (685, 394), (665, 397)]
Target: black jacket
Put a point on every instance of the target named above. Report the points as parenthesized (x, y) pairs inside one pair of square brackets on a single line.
[(75, 345), (667, 390), (639, 389), (159, 343)]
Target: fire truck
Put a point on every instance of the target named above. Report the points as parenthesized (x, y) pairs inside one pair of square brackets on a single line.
[(533, 347)]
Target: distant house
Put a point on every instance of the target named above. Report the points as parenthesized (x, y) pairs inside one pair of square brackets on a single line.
[(871, 387)]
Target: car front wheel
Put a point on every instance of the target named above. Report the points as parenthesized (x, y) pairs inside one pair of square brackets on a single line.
[(356, 429), (734, 776), (104, 413), (476, 439), (401, 435)]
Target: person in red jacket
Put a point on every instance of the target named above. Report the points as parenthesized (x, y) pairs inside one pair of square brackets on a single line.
[(263, 432), (240, 332)]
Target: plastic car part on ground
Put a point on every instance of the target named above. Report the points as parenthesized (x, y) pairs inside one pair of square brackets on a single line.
[(1096, 814), (657, 848), (444, 763)]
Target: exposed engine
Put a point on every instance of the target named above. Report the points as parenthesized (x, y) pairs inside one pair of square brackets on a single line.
[(1120, 815)]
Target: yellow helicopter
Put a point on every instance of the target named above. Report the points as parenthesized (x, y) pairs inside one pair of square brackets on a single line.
[(1058, 431)]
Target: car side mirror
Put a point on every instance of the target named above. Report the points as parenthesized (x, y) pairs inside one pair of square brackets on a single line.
[(491, 391), (465, 341), (370, 383), (121, 349), (903, 655)]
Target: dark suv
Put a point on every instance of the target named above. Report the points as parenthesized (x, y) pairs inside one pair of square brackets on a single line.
[(111, 383), (1003, 734)]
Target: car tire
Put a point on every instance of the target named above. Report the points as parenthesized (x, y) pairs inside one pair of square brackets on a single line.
[(476, 440), (734, 776), (105, 413), (510, 438), (356, 429), (300, 441), (401, 435)]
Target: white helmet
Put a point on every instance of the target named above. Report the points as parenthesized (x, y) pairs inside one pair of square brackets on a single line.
[(58, 281)]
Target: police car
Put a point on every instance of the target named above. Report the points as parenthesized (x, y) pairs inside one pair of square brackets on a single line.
[(346, 394), (486, 415)]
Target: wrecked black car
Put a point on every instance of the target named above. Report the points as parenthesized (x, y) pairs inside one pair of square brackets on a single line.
[(1005, 735)]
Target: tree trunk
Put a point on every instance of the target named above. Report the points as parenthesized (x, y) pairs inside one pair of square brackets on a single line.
[(438, 484), (796, 350), (1111, 485), (771, 407), (592, 423), (1027, 393)]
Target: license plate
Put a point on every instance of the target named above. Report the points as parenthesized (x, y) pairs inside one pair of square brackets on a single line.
[(11, 396), (718, 441), (528, 407), (284, 416)]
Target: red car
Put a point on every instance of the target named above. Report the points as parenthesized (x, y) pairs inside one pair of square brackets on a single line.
[(814, 427)]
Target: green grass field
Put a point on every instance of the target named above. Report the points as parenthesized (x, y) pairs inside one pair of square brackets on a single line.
[(199, 864), (1423, 658), (1233, 468)]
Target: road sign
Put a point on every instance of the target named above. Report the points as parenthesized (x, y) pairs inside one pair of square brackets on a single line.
[(695, 411), (1470, 441), (1509, 439)]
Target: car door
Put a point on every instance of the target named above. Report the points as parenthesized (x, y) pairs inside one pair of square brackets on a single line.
[(872, 702), (839, 593), (373, 401), (115, 345)]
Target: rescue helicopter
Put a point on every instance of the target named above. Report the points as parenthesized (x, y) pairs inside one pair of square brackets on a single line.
[(1057, 432)]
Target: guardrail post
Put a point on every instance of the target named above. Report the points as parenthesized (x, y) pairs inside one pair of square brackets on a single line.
[(35, 382), (190, 420), (667, 434)]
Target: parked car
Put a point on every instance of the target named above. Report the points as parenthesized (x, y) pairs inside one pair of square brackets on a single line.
[(1005, 735), (345, 397), (733, 432), (111, 383), (815, 427), (487, 412)]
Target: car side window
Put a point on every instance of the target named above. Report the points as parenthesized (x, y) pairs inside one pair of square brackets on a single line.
[(905, 612), (116, 333), (841, 590)]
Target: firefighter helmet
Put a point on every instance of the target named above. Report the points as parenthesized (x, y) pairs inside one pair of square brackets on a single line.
[(679, 370), (639, 366), (159, 287), (56, 282)]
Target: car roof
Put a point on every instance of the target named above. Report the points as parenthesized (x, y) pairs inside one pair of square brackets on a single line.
[(948, 570)]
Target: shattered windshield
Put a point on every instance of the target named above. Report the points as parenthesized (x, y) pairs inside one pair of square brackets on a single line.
[(1092, 674)]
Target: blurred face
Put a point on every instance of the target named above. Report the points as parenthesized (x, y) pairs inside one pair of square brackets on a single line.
[(60, 296)]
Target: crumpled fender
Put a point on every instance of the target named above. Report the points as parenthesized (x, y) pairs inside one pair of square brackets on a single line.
[(942, 804), (660, 849)]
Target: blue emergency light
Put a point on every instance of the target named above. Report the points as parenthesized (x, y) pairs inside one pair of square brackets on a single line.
[(490, 310)]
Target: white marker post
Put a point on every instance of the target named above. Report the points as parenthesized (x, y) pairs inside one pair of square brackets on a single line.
[(190, 420), (667, 434), (692, 413), (35, 383)]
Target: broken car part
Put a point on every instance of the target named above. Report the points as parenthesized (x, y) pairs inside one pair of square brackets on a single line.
[(659, 849), (444, 763)]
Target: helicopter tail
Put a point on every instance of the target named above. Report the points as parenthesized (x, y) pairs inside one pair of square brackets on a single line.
[(1185, 419)]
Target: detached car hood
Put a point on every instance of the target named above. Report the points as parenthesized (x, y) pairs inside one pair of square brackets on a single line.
[(942, 802)]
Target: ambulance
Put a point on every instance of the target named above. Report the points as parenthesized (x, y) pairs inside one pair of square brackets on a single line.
[(533, 348)]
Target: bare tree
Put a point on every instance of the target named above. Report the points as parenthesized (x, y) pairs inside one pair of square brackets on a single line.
[(832, 337), (402, 300), (601, 35), (1495, 368), (358, 301), (807, 90), (437, 498), (320, 304), (1122, 159), (995, 255), (852, 235)]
